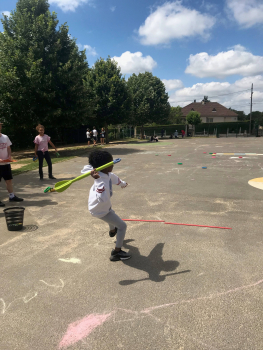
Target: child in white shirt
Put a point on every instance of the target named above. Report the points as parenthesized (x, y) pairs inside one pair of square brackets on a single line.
[(99, 199)]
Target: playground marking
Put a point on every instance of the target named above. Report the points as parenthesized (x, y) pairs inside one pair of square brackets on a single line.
[(257, 183), (239, 154)]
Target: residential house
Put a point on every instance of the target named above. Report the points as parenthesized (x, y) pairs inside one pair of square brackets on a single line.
[(211, 112)]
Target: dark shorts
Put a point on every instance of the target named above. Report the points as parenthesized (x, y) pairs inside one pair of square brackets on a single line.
[(95, 138), (88, 138), (5, 172)]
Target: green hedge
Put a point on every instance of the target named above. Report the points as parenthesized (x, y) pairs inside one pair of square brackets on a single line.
[(170, 129), (222, 127)]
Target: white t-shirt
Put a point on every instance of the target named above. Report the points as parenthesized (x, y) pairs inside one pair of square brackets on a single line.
[(101, 192), (95, 132), (88, 134), (4, 143)]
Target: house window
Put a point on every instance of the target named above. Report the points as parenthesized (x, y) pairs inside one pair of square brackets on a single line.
[(209, 120), (213, 110), (192, 109)]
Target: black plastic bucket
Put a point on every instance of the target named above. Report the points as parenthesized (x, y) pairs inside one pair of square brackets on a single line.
[(14, 218)]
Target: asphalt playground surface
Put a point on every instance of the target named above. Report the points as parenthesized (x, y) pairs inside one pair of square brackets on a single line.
[(185, 287)]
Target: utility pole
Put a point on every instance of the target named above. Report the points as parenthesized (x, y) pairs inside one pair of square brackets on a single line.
[(250, 109)]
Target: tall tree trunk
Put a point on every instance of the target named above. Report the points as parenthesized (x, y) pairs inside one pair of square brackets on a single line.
[(142, 129), (106, 132)]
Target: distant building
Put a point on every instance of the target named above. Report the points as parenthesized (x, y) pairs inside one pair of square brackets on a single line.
[(211, 112)]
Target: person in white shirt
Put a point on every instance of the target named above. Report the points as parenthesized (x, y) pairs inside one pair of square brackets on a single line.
[(88, 136), (95, 135), (5, 168), (100, 199)]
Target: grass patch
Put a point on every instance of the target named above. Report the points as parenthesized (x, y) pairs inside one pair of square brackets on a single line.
[(30, 165)]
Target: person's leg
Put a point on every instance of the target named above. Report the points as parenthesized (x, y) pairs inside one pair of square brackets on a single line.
[(40, 163), (49, 163), (114, 221), (9, 186)]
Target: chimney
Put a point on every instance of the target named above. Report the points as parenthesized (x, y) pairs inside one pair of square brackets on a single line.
[(194, 101)]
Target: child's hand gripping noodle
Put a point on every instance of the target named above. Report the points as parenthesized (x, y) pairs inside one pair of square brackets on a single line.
[(63, 185)]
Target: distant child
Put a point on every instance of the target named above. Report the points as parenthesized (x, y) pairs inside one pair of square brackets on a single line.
[(183, 133), (95, 136), (88, 136), (102, 136), (41, 151), (99, 199), (176, 134)]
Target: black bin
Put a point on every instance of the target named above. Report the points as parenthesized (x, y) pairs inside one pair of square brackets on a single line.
[(14, 218)]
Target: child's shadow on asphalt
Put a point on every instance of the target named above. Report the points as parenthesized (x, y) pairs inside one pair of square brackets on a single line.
[(153, 264)]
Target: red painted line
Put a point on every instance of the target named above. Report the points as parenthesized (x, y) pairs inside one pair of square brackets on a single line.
[(173, 223), (143, 220)]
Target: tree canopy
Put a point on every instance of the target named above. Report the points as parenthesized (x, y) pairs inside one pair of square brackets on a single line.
[(149, 99), (194, 118), (109, 92), (42, 71)]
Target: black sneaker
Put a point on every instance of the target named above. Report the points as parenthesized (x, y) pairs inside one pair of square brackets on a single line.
[(52, 177), (2, 204), (15, 199), (112, 234), (121, 255)]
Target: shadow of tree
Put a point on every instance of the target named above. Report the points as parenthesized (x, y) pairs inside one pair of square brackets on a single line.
[(153, 264)]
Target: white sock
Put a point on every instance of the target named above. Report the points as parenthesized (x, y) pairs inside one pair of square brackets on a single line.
[(11, 195)]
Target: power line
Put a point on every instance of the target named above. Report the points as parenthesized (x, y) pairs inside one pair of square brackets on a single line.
[(231, 93)]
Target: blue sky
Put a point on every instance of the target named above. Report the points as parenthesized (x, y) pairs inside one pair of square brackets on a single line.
[(197, 48)]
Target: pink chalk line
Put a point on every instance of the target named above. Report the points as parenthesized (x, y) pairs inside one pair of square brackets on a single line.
[(143, 220), (148, 310), (174, 223), (81, 329)]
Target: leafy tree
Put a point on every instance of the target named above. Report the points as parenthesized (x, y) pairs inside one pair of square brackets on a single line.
[(205, 100), (194, 118), (42, 72), (149, 100), (241, 115), (257, 117), (109, 92), (175, 115)]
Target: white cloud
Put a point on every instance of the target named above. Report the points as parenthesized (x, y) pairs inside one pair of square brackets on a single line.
[(113, 8), (135, 63), (172, 84), (6, 13), (68, 5), (174, 21), (235, 61), (90, 51), (229, 95), (246, 12)]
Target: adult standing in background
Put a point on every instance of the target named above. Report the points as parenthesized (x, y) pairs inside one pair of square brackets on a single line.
[(102, 136), (88, 136), (162, 133), (5, 168), (183, 133), (95, 136)]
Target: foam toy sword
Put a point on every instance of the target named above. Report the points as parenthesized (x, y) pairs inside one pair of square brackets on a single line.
[(63, 185)]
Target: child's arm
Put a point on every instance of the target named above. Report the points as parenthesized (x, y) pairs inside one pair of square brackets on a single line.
[(36, 147), (117, 181), (52, 144)]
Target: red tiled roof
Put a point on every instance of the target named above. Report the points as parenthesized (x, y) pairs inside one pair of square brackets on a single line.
[(206, 109)]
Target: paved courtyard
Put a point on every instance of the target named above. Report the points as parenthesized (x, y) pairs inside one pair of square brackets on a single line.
[(185, 288)]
